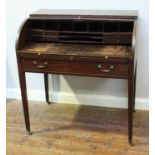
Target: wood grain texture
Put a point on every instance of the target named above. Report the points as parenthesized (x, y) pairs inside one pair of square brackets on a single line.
[(61, 129), (79, 50), (76, 68)]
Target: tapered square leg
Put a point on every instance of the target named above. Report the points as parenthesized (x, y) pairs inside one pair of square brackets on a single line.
[(46, 88), (135, 74), (130, 102), (22, 80)]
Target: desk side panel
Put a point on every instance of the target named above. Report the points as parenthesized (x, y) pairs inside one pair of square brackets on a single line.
[(23, 38)]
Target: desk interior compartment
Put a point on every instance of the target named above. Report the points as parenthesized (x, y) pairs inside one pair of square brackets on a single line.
[(81, 31)]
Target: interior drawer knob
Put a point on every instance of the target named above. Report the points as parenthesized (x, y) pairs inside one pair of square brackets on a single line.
[(71, 58)]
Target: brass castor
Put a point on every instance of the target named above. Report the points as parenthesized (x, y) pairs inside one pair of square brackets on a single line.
[(29, 132), (131, 144)]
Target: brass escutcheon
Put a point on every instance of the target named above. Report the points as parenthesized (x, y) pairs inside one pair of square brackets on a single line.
[(71, 58), (106, 57)]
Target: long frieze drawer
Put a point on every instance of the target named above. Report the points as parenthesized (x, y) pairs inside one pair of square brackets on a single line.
[(76, 68)]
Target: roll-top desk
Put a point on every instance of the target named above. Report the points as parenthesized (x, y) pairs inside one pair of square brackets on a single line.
[(78, 42)]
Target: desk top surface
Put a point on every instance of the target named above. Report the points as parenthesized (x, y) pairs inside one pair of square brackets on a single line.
[(44, 13), (79, 50)]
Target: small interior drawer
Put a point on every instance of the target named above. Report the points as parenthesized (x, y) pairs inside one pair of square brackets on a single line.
[(117, 41)]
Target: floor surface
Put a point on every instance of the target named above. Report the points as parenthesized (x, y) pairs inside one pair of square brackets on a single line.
[(65, 129)]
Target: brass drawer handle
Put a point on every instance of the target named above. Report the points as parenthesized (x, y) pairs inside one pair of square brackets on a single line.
[(106, 70), (34, 62), (40, 66)]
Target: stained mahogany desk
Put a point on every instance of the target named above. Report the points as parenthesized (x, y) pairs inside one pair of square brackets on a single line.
[(78, 42)]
